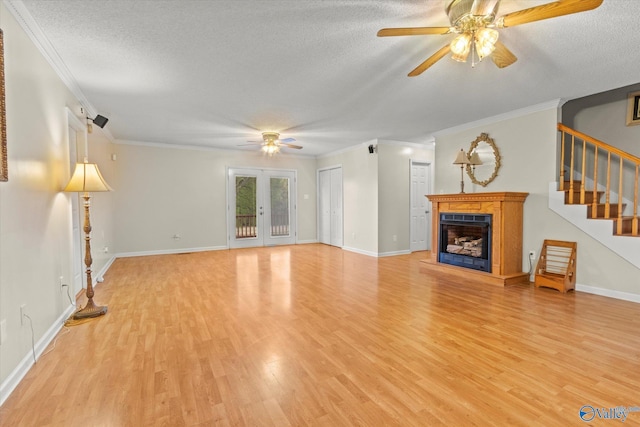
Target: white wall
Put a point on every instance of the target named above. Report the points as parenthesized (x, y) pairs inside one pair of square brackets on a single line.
[(394, 184), (377, 194), (603, 116), (527, 142), (164, 191), (35, 216), (103, 233), (360, 197)]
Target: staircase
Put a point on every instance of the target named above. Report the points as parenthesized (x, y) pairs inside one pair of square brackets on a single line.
[(603, 178)]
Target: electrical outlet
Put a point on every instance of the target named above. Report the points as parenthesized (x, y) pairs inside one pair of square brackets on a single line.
[(61, 283), (532, 254), (23, 311)]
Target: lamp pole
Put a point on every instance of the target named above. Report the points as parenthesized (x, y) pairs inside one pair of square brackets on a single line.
[(90, 309)]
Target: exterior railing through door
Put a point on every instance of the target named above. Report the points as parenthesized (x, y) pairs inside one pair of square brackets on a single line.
[(246, 225)]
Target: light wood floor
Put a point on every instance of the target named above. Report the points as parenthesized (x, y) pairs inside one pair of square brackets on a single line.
[(313, 335)]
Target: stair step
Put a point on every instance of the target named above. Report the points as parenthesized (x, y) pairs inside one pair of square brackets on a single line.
[(627, 227), (567, 185), (588, 196), (600, 210)]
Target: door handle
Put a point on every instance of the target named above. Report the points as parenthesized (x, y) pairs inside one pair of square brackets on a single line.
[(426, 211)]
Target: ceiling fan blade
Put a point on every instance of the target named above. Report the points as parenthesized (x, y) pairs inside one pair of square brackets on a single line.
[(546, 11), (297, 147), (502, 56), (252, 144), (430, 61), (417, 31), (287, 140)]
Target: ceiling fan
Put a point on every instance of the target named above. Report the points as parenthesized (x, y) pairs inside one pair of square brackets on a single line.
[(271, 143), (475, 23)]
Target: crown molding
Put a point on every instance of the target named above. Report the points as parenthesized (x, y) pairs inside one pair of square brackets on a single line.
[(347, 149), (33, 30), (429, 144), (556, 103), (42, 43)]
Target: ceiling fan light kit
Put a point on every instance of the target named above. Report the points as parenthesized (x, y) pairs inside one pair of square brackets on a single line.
[(271, 143), (475, 22)]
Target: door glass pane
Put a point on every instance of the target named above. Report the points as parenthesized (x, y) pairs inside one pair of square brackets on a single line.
[(246, 211), (279, 189)]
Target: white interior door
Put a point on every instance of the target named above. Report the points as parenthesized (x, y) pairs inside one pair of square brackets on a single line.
[(262, 209), (336, 207), (420, 225), (324, 207), (330, 206)]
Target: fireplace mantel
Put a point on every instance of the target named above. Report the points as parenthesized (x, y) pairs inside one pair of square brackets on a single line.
[(506, 241)]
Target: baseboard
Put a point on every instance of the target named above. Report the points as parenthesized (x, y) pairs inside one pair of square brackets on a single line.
[(394, 253), (374, 254), (14, 378), (99, 276), (626, 296), (360, 251), (170, 251), (306, 242)]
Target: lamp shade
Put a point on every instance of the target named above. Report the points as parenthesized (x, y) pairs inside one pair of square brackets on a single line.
[(87, 178), (475, 159), (271, 148), (486, 39), (462, 158), (460, 47)]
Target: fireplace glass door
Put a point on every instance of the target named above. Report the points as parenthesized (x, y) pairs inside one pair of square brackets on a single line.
[(465, 240)]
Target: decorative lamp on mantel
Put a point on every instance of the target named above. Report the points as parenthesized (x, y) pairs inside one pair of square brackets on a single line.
[(462, 160), (474, 160), (85, 179)]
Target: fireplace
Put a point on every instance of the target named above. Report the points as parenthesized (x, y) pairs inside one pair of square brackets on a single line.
[(488, 226), (465, 240)]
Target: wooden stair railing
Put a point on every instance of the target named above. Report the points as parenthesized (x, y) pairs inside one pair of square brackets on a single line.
[(584, 156), (557, 265)]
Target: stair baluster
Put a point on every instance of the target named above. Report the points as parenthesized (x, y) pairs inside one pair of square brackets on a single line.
[(578, 191)]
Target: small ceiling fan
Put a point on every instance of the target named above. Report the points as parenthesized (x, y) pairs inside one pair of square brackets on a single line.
[(475, 23), (271, 143)]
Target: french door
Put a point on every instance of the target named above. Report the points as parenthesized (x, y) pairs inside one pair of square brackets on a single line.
[(262, 207)]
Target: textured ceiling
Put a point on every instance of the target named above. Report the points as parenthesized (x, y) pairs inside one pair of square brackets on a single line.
[(217, 73)]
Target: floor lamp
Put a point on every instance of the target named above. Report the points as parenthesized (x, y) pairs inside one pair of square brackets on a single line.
[(87, 178)]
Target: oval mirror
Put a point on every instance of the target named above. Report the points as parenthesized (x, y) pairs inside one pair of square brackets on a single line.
[(485, 159)]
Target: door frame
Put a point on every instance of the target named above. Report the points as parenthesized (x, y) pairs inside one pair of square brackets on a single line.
[(293, 218), (81, 141), (318, 213), (430, 173)]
